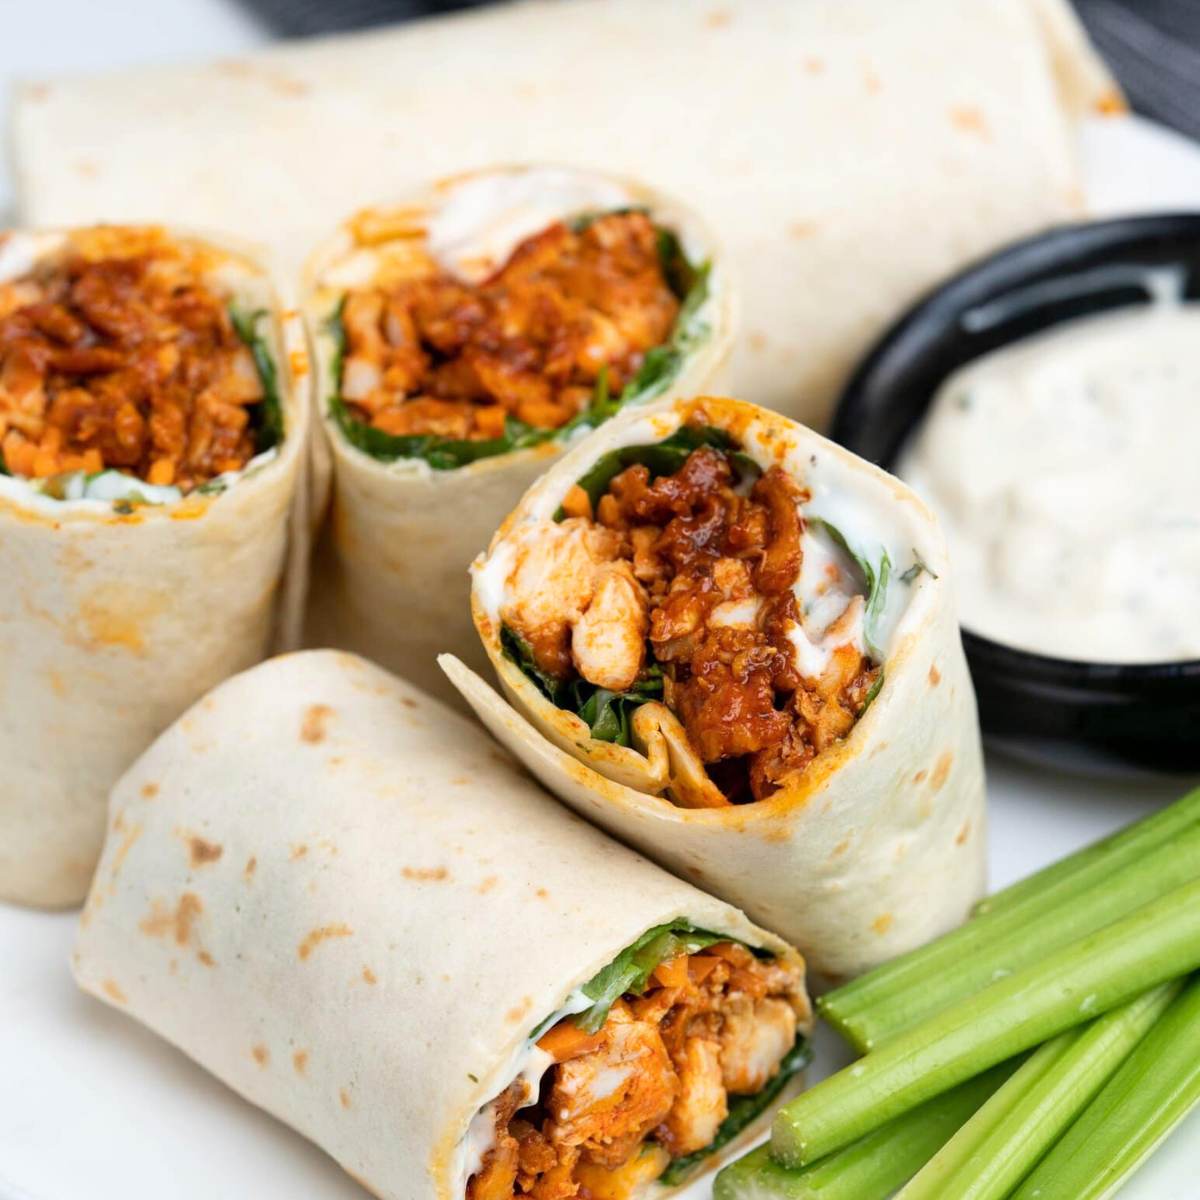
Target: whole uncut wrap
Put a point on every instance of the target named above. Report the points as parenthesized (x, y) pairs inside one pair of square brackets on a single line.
[(112, 623), (848, 153), (878, 844), (390, 579), (346, 902)]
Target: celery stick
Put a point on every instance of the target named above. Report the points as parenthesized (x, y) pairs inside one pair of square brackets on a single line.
[(1003, 1141), (873, 1167), (1152, 1091), (984, 951), (1158, 942), (1111, 853)]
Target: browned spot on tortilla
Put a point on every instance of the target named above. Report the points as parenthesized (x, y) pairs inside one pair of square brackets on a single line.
[(113, 991), (964, 833), (161, 921), (250, 867), (432, 874), (882, 923), (300, 1061), (935, 676), (201, 851), (486, 885), (515, 1013), (940, 771), (872, 82), (803, 229), (542, 894), (840, 848), (461, 781), (122, 851), (335, 760), (757, 341), (260, 1054), (206, 958), (299, 851), (1111, 103), (919, 776), (285, 85), (968, 119), (408, 702), (369, 976), (718, 18), (57, 683), (87, 168), (344, 1097), (312, 728), (316, 936), (814, 65), (149, 790)]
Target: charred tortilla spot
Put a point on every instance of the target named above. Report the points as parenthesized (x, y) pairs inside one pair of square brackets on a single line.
[(425, 874), (260, 1054), (206, 959), (935, 676), (962, 835), (113, 991), (316, 936), (369, 976), (202, 852), (882, 923), (300, 1061), (313, 727), (344, 1097), (518, 1011), (486, 885), (250, 867), (178, 923), (940, 771)]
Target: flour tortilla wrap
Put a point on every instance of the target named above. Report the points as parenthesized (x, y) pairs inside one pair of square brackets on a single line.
[(115, 616), (348, 904), (390, 579), (849, 153), (877, 844)]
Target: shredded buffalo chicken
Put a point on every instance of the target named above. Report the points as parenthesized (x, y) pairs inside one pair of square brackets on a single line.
[(126, 360), (652, 1085), (435, 355), (701, 576)]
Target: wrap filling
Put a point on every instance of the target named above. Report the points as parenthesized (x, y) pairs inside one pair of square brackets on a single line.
[(125, 358), (582, 317), (688, 1039), (681, 593)]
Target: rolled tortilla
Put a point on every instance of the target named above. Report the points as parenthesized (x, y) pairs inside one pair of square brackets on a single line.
[(872, 843), (122, 601), (849, 153), (391, 571), (349, 905)]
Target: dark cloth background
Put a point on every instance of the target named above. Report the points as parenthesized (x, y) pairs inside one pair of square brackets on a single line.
[(1153, 46)]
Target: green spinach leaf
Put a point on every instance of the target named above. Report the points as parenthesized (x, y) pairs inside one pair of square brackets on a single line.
[(659, 368), (266, 416), (877, 584), (630, 971)]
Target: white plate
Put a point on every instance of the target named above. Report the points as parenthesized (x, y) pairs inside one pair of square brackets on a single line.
[(92, 1107)]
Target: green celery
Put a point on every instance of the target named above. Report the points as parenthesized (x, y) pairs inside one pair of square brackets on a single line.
[(1152, 1091), (1158, 942)]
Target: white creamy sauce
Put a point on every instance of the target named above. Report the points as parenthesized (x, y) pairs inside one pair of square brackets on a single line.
[(1064, 471), (528, 1065), (98, 492), (483, 218), (827, 584)]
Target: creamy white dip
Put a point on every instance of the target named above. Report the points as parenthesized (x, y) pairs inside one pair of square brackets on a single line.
[(1064, 470)]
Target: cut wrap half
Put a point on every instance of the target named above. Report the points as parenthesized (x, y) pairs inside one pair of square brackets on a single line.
[(464, 337), (153, 419), (343, 900), (732, 643)]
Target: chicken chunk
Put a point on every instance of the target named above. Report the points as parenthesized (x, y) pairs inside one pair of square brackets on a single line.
[(608, 642), (552, 584), (697, 1114), (755, 1036), (607, 1102)]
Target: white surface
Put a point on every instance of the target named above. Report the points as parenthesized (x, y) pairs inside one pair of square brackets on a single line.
[(92, 1107)]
